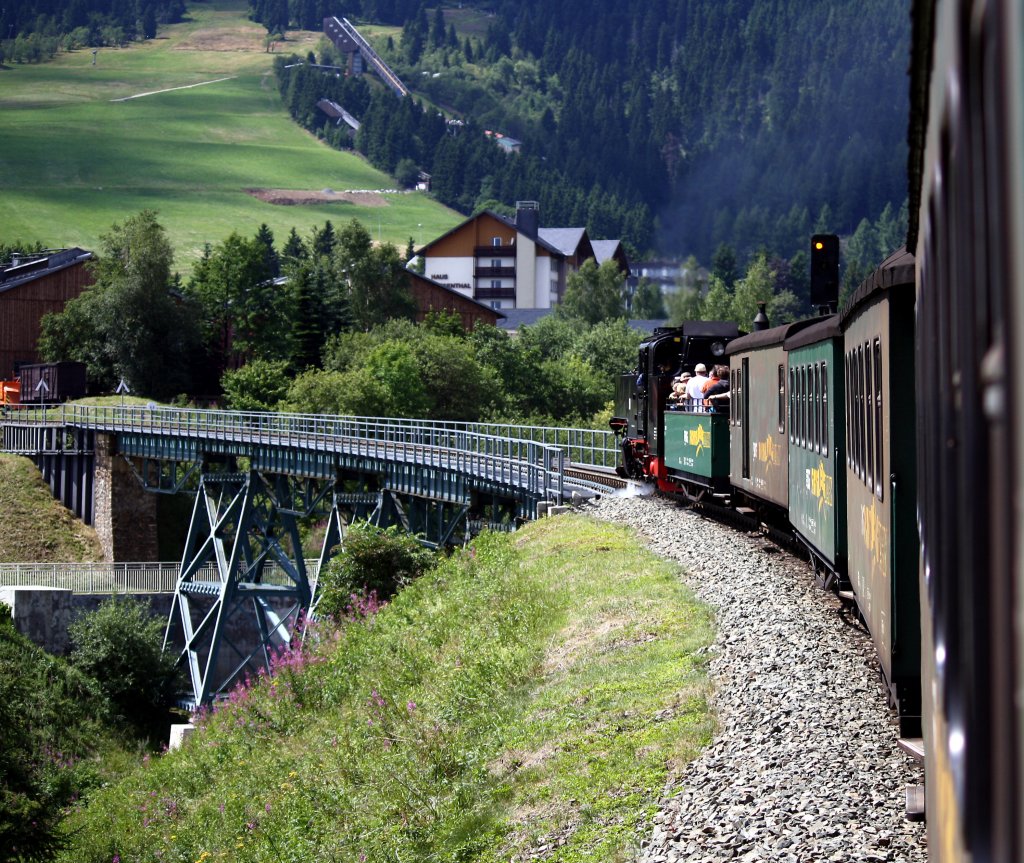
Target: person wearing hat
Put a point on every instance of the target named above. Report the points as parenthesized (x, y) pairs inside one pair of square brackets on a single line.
[(695, 387), (678, 394)]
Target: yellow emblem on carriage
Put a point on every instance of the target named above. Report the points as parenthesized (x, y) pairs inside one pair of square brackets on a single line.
[(768, 452), (875, 536), (700, 438), (822, 486)]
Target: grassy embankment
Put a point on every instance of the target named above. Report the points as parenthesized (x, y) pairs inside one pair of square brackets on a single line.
[(74, 161), (538, 690), (35, 527)]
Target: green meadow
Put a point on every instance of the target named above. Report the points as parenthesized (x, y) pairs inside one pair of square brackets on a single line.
[(74, 160)]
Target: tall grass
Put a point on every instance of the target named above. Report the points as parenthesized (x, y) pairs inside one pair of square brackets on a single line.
[(538, 685)]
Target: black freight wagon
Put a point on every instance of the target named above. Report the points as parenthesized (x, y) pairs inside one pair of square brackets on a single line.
[(47, 383)]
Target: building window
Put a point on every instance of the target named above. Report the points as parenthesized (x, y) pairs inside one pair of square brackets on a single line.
[(495, 264), (495, 241), (495, 283)]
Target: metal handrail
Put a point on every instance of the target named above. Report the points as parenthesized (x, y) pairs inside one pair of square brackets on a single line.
[(528, 457), (122, 578)]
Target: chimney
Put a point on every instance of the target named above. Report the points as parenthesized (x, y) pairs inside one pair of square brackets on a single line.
[(528, 218), (761, 319)]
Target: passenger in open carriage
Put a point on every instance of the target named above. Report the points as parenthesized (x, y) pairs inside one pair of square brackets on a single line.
[(716, 391), (677, 398)]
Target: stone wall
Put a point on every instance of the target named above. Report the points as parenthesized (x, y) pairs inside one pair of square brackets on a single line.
[(124, 513), (42, 614)]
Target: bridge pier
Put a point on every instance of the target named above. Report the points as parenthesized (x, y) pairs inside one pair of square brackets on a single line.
[(124, 513)]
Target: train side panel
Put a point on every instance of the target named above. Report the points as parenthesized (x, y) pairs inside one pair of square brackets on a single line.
[(697, 448), (759, 444), (881, 475), (817, 442)]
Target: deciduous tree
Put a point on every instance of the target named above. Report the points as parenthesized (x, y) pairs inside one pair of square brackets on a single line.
[(127, 324)]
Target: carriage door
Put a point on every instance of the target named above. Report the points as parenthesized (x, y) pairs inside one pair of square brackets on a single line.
[(745, 415)]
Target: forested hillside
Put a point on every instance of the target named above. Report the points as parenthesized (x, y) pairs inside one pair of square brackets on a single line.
[(751, 122)]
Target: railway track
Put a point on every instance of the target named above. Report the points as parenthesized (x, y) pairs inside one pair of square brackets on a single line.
[(596, 479)]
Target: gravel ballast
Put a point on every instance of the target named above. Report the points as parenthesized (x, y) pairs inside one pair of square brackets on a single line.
[(805, 765)]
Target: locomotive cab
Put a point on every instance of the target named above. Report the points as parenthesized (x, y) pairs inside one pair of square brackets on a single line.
[(641, 394)]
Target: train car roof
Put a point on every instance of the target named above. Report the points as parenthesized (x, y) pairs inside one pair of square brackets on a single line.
[(895, 271), (709, 329), (821, 331), (768, 338)]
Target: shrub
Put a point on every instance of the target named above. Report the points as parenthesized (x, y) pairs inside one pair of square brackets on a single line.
[(372, 562), (51, 716), (259, 385), (120, 646)]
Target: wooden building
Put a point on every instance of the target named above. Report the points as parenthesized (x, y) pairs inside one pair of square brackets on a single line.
[(30, 287), (512, 263), (430, 296)]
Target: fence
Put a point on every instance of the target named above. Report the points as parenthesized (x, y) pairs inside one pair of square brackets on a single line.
[(120, 578)]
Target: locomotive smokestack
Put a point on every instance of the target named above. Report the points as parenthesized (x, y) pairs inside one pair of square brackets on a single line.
[(761, 319)]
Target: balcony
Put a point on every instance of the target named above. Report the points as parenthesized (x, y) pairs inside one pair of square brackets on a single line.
[(494, 294), (494, 251), (495, 272)]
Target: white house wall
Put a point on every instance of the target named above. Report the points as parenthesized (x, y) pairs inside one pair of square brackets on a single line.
[(455, 273)]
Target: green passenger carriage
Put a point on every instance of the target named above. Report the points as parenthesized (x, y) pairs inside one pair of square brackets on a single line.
[(817, 441), (881, 474)]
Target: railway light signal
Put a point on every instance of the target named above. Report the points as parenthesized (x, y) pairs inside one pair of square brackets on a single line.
[(825, 270)]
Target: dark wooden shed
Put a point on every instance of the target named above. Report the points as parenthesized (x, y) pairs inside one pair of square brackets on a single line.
[(30, 287), (431, 296), (48, 383)]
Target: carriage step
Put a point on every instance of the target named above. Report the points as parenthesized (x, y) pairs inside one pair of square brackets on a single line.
[(913, 746)]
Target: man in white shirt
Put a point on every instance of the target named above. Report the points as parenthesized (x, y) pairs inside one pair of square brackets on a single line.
[(695, 387)]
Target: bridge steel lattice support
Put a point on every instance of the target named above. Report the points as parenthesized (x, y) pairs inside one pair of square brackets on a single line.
[(244, 524)]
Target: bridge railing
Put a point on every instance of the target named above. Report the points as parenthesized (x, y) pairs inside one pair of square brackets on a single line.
[(527, 462), (589, 447), (120, 578)]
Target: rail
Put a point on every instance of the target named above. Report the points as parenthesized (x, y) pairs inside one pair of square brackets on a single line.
[(120, 578)]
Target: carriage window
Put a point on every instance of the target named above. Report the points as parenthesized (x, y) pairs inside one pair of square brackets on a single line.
[(796, 406), (879, 437), (817, 407), (809, 406), (869, 418), (737, 406), (859, 419), (792, 405), (801, 407), (824, 409), (849, 412), (782, 399)]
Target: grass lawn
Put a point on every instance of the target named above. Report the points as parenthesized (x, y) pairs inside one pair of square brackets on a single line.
[(74, 160), (537, 690)]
